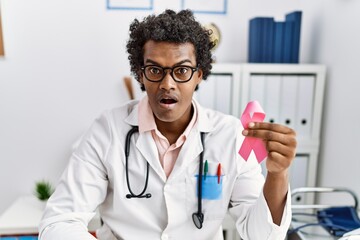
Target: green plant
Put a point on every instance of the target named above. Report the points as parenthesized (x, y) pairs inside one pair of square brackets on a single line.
[(43, 190)]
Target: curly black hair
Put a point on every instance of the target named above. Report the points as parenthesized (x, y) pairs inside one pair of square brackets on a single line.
[(173, 27)]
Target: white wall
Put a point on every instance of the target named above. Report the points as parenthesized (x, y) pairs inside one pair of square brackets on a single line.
[(338, 47), (65, 61)]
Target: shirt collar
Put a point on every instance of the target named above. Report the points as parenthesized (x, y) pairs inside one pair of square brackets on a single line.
[(147, 120), (204, 121)]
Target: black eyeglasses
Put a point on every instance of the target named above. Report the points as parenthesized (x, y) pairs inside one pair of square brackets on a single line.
[(180, 74)]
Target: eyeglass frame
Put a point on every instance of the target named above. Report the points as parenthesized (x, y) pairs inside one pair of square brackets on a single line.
[(193, 69)]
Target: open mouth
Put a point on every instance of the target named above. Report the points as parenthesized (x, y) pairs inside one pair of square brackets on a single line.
[(168, 101)]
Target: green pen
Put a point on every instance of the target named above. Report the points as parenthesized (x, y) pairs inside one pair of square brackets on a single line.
[(206, 169)]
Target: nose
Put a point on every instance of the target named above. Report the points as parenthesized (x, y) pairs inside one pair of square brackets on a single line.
[(168, 82)]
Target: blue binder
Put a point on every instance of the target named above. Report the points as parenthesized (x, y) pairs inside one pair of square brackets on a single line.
[(261, 39), (295, 18), (288, 40), (267, 39), (278, 48), (275, 42), (255, 40)]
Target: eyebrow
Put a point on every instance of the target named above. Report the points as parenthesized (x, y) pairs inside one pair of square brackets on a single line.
[(176, 64)]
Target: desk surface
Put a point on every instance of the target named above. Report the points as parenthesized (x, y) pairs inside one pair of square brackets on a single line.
[(24, 215)]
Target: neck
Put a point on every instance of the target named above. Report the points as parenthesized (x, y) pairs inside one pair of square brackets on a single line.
[(173, 130)]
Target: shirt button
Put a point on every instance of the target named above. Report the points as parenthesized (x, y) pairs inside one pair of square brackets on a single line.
[(164, 237), (167, 187)]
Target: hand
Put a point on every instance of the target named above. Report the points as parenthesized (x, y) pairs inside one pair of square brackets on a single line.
[(280, 142)]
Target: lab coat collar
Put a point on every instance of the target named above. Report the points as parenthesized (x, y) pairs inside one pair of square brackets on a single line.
[(204, 123), (133, 118)]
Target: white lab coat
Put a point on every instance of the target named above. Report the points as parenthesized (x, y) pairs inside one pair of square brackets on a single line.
[(95, 177)]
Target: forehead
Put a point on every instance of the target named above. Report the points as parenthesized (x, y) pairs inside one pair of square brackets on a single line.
[(166, 53)]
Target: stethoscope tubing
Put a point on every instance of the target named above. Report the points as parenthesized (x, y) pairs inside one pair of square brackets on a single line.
[(197, 215), (127, 153), (201, 164)]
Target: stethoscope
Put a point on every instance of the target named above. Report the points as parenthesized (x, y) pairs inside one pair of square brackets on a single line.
[(198, 217)]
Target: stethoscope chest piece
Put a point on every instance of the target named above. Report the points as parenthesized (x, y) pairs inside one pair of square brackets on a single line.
[(198, 219)]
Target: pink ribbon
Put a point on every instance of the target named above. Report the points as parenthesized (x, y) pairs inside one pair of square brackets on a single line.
[(253, 113)]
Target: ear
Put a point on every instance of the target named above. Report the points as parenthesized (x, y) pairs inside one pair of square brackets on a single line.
[(199, 75), (141, 81), (141, 77)]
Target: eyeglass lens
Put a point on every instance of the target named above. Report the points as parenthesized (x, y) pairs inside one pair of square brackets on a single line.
[(179, 73)]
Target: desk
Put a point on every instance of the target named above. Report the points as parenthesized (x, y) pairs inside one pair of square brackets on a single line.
[(24, 215)]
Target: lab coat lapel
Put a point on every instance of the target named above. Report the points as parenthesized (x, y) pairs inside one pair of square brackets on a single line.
[(192, 147), (147, 147), (189, 152)]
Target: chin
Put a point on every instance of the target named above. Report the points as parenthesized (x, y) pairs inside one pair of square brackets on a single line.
[(166, 118)]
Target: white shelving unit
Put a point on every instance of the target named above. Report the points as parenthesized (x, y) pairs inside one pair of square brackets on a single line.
[(292, 94)]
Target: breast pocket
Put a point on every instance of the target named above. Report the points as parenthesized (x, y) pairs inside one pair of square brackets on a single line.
[(214, 206), (211, 187)]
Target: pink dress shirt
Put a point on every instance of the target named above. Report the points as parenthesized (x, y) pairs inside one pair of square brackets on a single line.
[(167, 153)]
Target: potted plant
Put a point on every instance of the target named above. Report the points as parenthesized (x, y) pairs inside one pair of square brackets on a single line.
[(43, 190)]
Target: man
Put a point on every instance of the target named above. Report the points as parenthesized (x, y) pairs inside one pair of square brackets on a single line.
[(154, 193)]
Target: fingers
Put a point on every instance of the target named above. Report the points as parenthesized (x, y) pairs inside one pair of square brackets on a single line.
[(271, 126), (267, 135), (277, 163), (271, 132), (279, 148), (280, 142)]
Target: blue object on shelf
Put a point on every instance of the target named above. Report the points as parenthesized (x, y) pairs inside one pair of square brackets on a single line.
[(268, 38), (261, 31), (255, 40), (275, 42), (295, 17), (278, 49), (288, 39)]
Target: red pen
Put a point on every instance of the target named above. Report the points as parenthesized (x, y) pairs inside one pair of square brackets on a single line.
[(219, 172)]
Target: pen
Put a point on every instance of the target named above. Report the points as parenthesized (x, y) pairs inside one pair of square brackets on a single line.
[(206, 169), (219, 172)]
